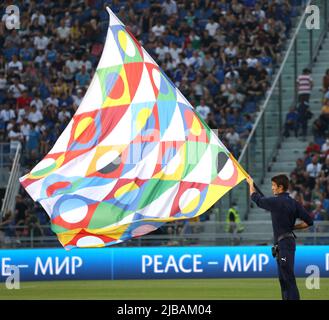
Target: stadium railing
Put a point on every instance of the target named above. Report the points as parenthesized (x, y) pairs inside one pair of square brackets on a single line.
[(5, 163), (206, 233), (12, 189)]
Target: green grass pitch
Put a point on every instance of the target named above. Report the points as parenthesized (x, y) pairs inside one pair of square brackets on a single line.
[(189, 289)]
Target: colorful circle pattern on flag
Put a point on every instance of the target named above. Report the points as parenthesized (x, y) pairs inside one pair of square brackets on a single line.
[(128, 164)]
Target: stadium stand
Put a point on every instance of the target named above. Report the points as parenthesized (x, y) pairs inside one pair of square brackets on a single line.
[(220, 54)]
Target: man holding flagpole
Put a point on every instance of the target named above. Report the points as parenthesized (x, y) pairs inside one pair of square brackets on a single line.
[(284, 212)]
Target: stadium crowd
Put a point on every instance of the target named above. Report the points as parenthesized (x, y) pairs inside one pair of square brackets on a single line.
[(310, 178), (220, 54)]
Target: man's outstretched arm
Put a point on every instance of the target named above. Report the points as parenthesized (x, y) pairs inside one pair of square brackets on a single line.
[(261, 202), (251, 185)]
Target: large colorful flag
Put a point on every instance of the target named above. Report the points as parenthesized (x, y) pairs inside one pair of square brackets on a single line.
[(134, 156)]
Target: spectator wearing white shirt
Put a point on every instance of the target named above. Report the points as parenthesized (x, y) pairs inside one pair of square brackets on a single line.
[(252, 60), (40, 17), (63, 115), (233, 75), (231, 50), (15, 66), (63, 31), (232, 137), (11, 124), (72, 64), (174, 51), (325, 146), (40, 41), (40, 58), (37, 102), (313, 170), (195, 61), (21, 114), (16, 89), (161, 50), (233, 140), (226, 87), (169, 7), (77, 99), (158, 29), (235, 99), (212, 27), (25, 129), (203, 109), (84, 62), (34, 115), (16, 138), (170, 64), (258, 12), (7, 114), (52, 100), (208, 62)]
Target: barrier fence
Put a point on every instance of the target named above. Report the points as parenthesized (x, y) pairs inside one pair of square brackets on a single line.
[(209, 233), (155, 263)]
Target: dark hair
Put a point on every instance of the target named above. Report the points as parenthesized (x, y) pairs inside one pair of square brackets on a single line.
[(281, 180)]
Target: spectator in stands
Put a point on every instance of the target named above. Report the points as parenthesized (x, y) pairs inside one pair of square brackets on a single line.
[(324, 174), (233, 139), (291, 123), (313, 148), (325, 113), (14, 66), (325, 82), (298, 175), (304, 115), (16, 139), (203, 109), (319, 214), (33, 225), (320, 130), (246, 127), (169, 7), (17, 88), (7, 114), (211, 121), (235, 99), (325, 148), (7, 229), (313, 170), (305, 85)]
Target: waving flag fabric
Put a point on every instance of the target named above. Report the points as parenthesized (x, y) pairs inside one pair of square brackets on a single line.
[(134, 156)]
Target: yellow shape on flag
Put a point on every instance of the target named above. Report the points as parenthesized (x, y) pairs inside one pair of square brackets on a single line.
[(82, 125), (196, 127), (124, 99), (191, 205), (142, 117)]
